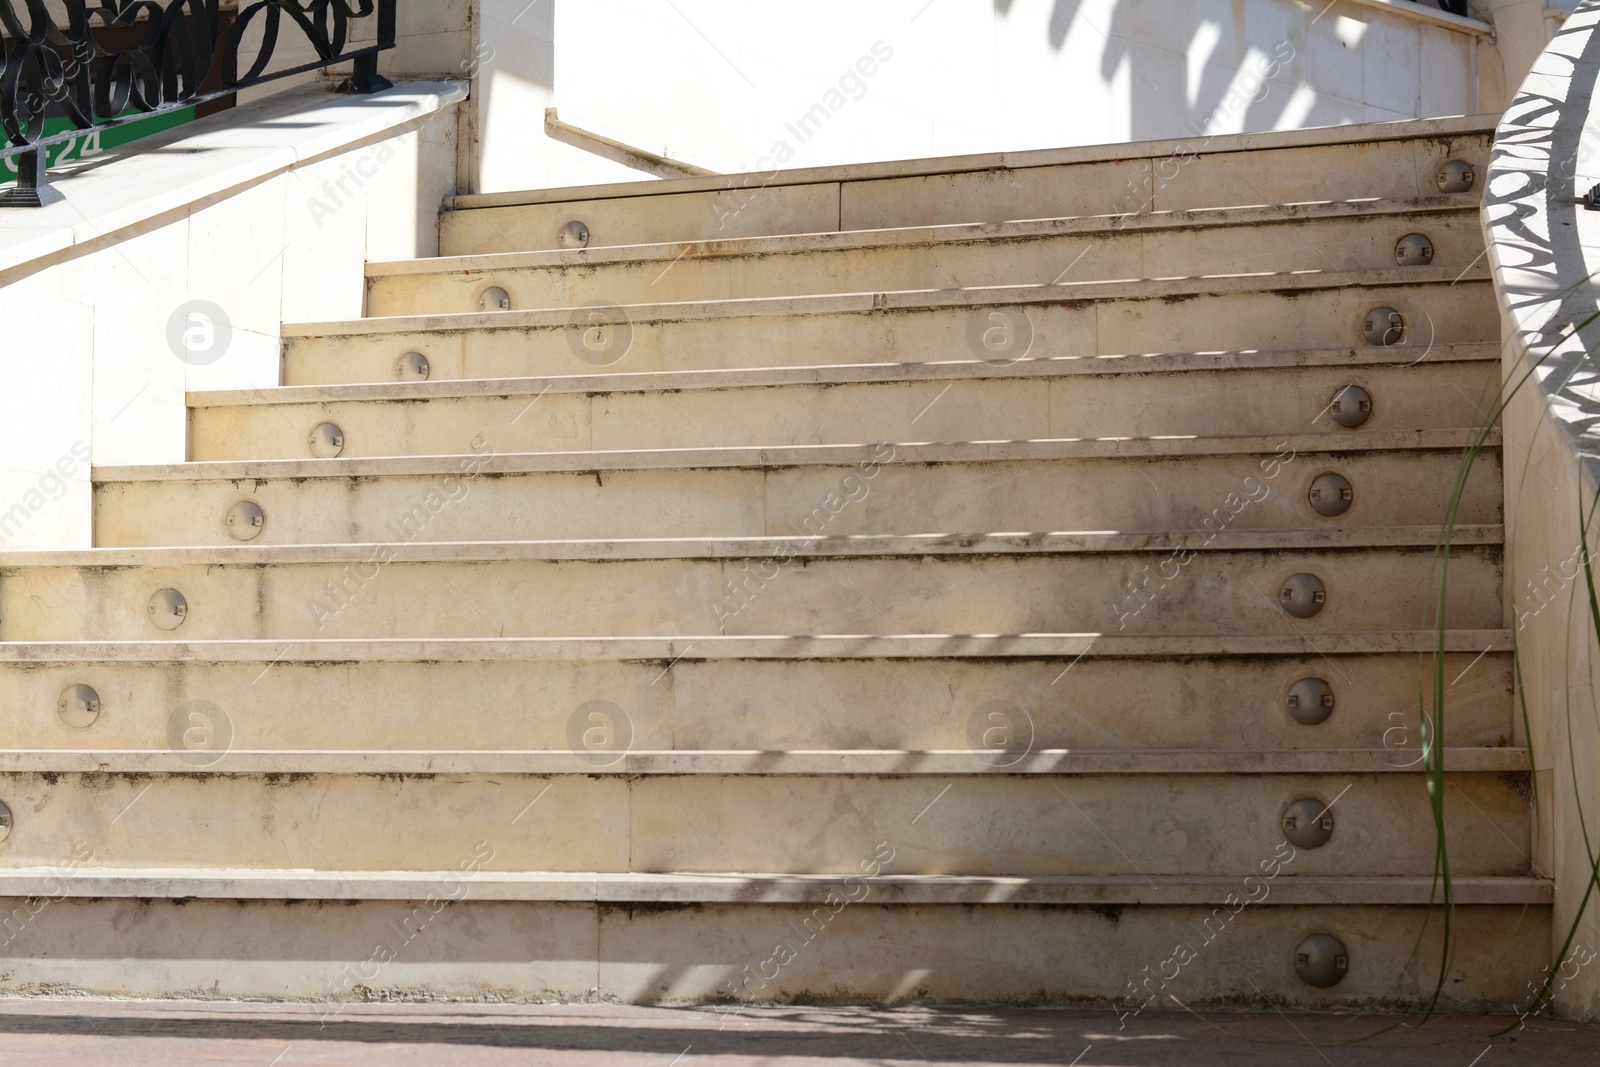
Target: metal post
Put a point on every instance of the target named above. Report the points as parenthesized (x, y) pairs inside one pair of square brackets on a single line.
[(364, 78), (33, 183)]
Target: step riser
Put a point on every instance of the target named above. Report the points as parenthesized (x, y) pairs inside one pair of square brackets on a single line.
[(474, 950), (1102, 825), (1309, 318), (1397, 488), (1100, 254), (1214, 592), (1427, 396), (1232, 702), (1390, 169)]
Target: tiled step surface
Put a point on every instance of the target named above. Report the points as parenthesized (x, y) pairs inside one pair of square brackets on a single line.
[(1053, 825), (1388, 160), (1035, 398), (1314, 308), (644, 950), (1340, 235), (1193, 486), (1090, 692), (1041, 586)]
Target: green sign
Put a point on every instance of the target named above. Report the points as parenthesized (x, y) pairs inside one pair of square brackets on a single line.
[(89, 142)]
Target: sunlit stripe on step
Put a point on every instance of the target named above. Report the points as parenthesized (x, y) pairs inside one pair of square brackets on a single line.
[(299, 884), (883, 762), (713, 647), (908, 453)]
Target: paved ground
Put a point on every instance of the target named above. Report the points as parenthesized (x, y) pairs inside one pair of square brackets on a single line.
[(140, 1033)]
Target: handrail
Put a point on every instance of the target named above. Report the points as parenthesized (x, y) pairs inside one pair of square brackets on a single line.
[(617, 151), (183, 55)]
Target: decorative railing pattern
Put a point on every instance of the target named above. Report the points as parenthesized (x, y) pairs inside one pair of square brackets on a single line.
[(122, 60)]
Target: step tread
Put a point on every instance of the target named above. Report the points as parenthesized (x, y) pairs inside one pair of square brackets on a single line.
[(696, 647), (846, 241), (756, 456), (911, 300), (852, 546), (878, 762), (1362, 133), (300, 884), (836, 374)]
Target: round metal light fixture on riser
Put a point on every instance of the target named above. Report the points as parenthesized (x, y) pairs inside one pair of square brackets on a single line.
[(494, 298), (1455, 176), (79, 706), (5, 820), (573, 235), (1413, 250), (245, 520), (1383, 326), (412, 367), (1321, 960), (1330, 494), (167, 609), (1302, 595), (1307, 823), (326, 440), (1310, 701), (1351, 406)]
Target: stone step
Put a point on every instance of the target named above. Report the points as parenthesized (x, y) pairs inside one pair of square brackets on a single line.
[(1381, 160), (1277, 392), (1307, 309), (849, 946), (1091, 692), (899, 763), (1053, 824), (876, 586), (1200, 484), (537, 630), (717, 888), (1334, 235)]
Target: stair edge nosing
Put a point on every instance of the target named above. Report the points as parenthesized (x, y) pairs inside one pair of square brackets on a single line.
[(602, 888), (712, 647), (937, 235), (1027, 368), (910, 300)]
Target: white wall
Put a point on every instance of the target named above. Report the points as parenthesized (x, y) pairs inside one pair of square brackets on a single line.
[(87, 362), (514, 65), (724, 83)]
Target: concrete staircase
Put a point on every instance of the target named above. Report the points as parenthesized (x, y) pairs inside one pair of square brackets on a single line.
[(1006, 578)]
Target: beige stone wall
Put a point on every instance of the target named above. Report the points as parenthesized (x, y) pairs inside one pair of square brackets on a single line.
[(1558, 660), (1545, 250)]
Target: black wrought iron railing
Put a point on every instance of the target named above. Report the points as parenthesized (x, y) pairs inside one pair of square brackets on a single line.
[(1457, 7), (120, 61)]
